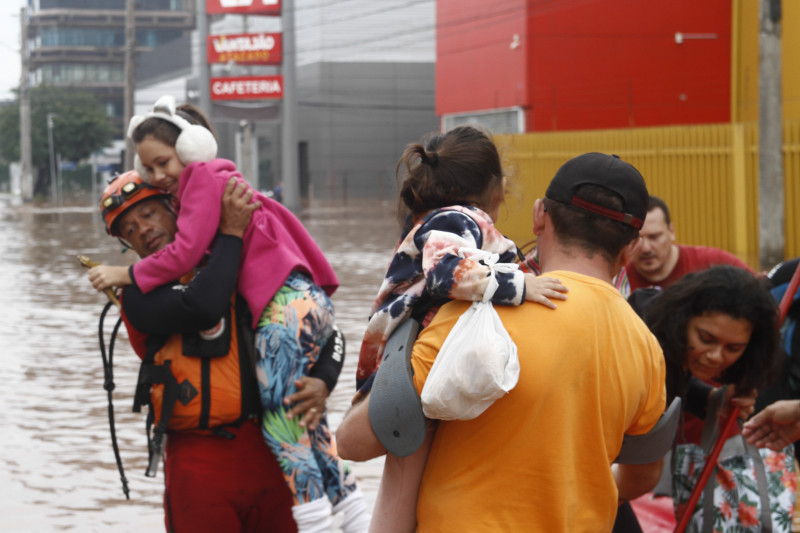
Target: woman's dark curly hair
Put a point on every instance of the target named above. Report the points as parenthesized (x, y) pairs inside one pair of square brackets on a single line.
[(720, 289)]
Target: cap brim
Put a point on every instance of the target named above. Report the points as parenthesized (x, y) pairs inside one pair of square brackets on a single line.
[(395, 410)]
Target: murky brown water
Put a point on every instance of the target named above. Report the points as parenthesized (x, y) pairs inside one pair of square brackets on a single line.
[(57, 471)]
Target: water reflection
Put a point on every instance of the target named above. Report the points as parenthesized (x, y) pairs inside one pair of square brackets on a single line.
[(58, 470)]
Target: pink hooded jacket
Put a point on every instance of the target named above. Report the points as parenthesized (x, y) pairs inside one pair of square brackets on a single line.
[(275, 242)]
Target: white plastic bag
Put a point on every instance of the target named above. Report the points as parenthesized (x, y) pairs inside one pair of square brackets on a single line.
[(478, 362)]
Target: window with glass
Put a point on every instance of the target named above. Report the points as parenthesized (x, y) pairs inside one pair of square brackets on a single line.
[(150, 5), (63, 73), (82, 37)]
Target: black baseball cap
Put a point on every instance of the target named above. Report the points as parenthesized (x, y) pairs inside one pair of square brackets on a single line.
[(609, 172)]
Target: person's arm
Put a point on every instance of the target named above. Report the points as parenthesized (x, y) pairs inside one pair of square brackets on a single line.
[(199, 217), (634, 480), (199, 305), (177, 308), (355, 439), (449, 276), (775, 427)]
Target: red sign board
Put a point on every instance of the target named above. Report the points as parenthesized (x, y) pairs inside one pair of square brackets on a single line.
[(260, 7), (253, 48), (247, 88)]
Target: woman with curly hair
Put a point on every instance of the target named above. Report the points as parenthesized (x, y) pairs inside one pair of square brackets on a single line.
[(724, 299), (718, 329)]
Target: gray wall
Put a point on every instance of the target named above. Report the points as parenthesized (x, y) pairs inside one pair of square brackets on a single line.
[(354, 120), (357, 118)]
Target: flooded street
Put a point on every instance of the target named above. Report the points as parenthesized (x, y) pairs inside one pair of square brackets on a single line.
[(58, 470)]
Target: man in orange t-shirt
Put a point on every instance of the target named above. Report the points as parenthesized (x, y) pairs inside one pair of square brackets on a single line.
[(541, 457)]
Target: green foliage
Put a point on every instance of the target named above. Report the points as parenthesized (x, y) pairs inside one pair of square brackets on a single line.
[(80, 126)]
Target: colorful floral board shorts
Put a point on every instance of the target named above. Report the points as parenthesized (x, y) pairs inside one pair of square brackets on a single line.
[(290, 335)]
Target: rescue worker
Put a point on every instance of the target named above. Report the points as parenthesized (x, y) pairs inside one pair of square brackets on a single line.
[(219, 473)]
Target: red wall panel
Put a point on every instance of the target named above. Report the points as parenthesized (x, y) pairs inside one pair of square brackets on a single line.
[(586, 64), (476, 66)]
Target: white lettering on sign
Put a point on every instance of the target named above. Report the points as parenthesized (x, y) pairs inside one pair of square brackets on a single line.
[(244, 43), (246, 3), (246, 87)]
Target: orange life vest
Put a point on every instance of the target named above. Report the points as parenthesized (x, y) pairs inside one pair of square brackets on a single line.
[(200, 381)]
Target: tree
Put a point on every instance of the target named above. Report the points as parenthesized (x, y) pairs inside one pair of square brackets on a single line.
[(80, 127)]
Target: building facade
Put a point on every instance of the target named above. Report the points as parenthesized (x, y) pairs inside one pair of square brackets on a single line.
[(81, 43), (565, 65), (365, 89)]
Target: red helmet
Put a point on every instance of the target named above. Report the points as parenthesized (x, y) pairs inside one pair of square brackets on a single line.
[(124, 191)]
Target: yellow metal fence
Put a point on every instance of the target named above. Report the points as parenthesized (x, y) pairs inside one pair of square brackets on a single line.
[(707, 174)]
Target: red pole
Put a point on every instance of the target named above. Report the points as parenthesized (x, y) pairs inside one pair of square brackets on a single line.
[(783, 307), (788, 296)]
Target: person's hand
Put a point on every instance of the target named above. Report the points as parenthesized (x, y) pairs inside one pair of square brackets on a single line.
[(308, 402), (775, 427), (541, 289), (237, 208), (746, 402), (104, 276)]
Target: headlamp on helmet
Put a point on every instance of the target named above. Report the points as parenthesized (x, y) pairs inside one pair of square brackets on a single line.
[(123, 192)]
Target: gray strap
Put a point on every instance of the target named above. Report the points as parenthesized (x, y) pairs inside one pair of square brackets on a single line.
[(653, 445), (763, 491), (395, 410), (708, 504)]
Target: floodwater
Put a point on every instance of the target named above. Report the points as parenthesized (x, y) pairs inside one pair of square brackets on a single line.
[(57, 468)]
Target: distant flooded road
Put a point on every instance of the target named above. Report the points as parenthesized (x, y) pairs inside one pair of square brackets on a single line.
[(58, 471)]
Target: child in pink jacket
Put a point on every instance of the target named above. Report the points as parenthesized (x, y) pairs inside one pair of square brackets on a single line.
[(286, 281)]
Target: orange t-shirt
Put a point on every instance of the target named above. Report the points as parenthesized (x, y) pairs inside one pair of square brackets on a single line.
[(539, 458)]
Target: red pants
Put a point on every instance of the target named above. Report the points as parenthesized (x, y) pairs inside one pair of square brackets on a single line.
[(233, 485)]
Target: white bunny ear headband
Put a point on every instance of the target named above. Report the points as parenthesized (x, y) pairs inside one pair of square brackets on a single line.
[(195, 144)]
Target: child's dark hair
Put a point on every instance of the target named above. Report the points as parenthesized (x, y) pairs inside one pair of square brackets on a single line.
[(458, 167), (167, 132)]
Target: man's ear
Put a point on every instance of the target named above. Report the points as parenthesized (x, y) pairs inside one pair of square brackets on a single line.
[(627, 252), (538, 216)]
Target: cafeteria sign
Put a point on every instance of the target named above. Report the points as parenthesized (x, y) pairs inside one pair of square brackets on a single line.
[(247, 88), (260, 7), (253, 48)]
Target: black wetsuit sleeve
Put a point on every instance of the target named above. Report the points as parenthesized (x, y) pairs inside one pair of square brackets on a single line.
[(330, 361), (177, 308)]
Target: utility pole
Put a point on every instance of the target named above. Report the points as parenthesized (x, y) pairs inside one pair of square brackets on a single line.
[(771, 238), (53, 189), (130, 44), (289, 155), (203, 81), (26, 158)]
